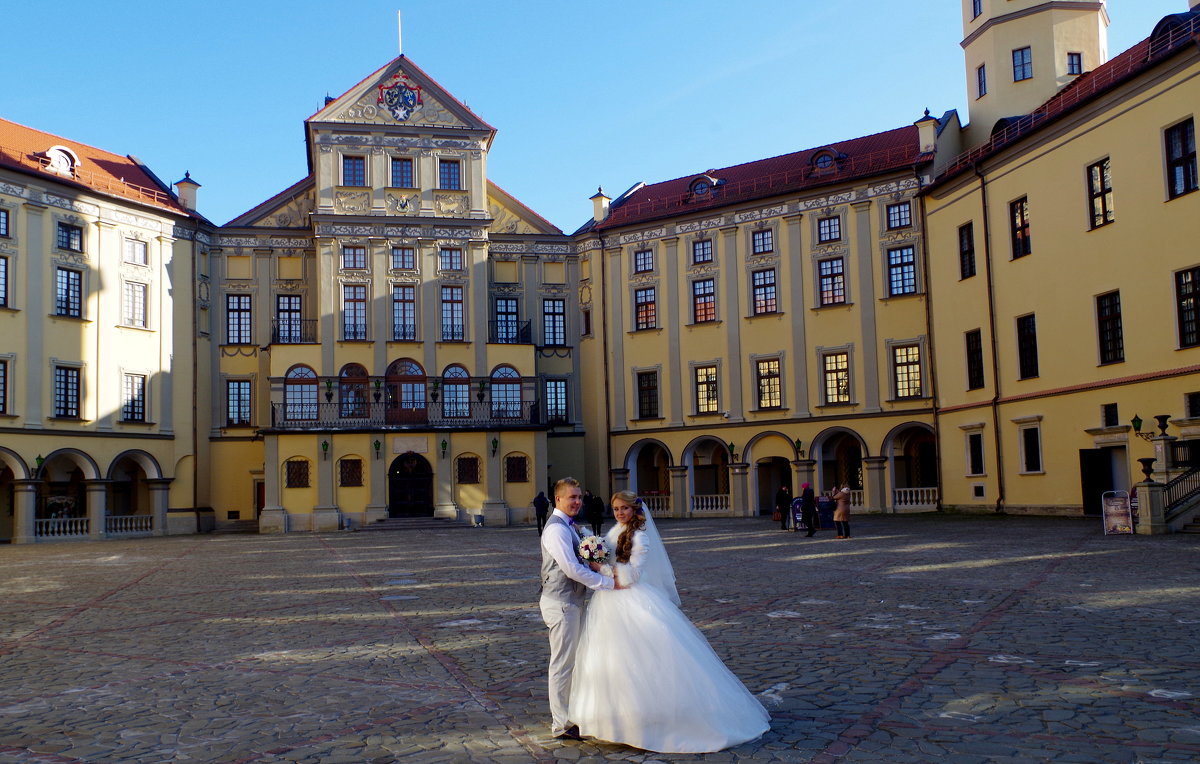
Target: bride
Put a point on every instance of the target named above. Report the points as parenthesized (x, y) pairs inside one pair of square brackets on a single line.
[(644, 675)]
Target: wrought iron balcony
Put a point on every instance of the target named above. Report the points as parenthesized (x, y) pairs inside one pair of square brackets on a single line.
[(404, 331), (441, 414), (510, 332), (293, 331), (353, 332), (453, 332)]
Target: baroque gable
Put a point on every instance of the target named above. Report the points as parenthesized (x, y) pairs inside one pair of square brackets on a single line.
[(399, 94)]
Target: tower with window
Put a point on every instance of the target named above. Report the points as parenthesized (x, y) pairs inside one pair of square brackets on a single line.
[(1018, 53)]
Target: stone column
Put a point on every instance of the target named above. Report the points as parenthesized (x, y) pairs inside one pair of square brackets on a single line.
[(443, 478), (378, 477), (159, 494), (495, 508), (739, 490), (1152, 507), (24, 511), (680, 499), (876, 497), (325, 515), (97, 507), (273, 518), (619, 478), (1162, 456), (803, 471)]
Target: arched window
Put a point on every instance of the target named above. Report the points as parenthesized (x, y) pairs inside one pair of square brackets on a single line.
[(300, 393), (405, 382), (352, 391), (456, 392), (506, 393)]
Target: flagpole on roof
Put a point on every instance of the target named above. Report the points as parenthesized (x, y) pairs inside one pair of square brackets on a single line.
[(399, 34)]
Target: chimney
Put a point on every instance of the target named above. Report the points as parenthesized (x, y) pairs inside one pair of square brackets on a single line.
[(600, 204), (927, 131), (186, 190)]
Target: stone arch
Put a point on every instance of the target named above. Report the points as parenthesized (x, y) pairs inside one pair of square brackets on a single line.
[(708, 458), (144, 460), (840, 454), (13, 460), (648, 462), (769, 471), (86, 464)]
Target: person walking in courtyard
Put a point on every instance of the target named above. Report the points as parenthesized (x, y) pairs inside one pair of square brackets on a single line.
[(783, 505), (565, 582), (808, 509), (593, 510), (541, 507), (841, 513)]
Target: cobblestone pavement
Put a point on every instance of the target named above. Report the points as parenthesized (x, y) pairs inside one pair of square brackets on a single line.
[(924, 638)]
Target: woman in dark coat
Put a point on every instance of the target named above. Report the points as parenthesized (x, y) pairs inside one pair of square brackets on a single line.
[(808, 509)]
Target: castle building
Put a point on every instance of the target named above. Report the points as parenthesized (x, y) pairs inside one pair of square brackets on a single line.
[(96, 254), (1063, 270), (764, 325), (394, 333), (976, 314)]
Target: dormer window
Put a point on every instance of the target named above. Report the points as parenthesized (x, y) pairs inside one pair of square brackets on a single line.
[(61, 160), (703, 186), (823, 161)]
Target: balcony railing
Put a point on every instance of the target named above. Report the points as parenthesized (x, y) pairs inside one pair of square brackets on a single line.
[(293, 331), (117, 524), (404, 332), (914, 497), (405, 415), (706, 503), (453, 332), (61, 527), (354, 332), (510, 332)]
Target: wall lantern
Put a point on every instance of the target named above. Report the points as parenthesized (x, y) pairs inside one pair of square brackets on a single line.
[(799, 444), (40, 461), (1162, 426), (325, 448), (495, 446), (377, 446), (732, 451), (445, 446)]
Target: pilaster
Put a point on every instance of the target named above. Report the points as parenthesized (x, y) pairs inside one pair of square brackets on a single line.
[(24, 511), (876, 492)]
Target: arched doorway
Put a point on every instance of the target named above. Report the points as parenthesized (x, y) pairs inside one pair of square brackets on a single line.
[(410, 486), (914, 469), (652, 478), (7, 503), (773, 472), (841, 462)]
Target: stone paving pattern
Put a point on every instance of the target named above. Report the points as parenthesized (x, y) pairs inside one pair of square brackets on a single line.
[(924, 638)]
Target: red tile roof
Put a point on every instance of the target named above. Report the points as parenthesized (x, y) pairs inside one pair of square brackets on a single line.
[(23, 148), (861, 157), (1173, 34)]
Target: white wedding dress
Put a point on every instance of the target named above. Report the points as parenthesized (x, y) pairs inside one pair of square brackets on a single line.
[(645, 676)]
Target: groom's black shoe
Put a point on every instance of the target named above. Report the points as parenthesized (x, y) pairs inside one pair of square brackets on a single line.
[(570, 733)]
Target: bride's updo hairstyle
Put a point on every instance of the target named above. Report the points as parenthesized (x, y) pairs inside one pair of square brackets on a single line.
[(636, 523)]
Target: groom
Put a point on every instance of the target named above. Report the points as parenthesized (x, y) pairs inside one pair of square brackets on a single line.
[(565, 580)]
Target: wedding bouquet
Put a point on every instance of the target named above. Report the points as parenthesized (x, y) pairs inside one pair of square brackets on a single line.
[(593, 549)]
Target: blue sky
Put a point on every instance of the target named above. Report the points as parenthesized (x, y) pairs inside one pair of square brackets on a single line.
[(583, 94)]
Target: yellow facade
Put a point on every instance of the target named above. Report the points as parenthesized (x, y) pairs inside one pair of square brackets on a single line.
[(98, 381), (1100, 284), (943, 316), (391, 325), (721, 397)]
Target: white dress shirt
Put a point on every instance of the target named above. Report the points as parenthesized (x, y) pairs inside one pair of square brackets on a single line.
[(561, 542)]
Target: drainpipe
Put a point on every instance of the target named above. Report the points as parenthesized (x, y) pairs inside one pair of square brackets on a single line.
[(604, 345), (931, 345), (991, 300)]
